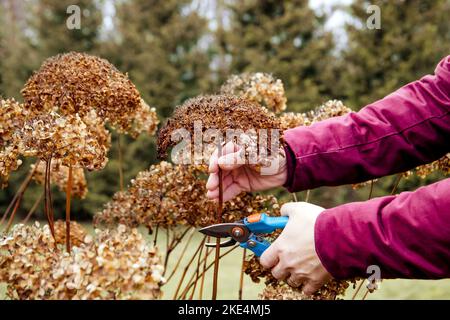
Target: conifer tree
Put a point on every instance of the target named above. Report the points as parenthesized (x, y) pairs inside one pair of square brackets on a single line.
[(285, 38), (52, 23), (158, 44), (414, 36)]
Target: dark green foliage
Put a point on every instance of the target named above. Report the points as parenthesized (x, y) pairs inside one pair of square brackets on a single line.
[(157, 44), (285, 38), (414, 37)]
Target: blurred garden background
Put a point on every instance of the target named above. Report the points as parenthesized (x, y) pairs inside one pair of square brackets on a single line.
[(177, 49)]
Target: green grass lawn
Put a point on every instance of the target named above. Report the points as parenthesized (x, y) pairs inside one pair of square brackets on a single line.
[(230, 273)]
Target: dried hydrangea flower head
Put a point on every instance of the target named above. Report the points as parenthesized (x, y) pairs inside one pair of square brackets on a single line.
[(145, 120), (279, 290), (291, 120), (115, 264), (259, 87), (60, 176), (330, 109), (169, 195), (66, 138), (442, 165), (330, 291), (78, 83), (12, 117), (77, 233), (220, 112)]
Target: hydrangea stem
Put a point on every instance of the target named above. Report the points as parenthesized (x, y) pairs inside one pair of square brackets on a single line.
[(241, 280), (219, 220), (15, 202), (191, 283), (119, 151), (68, 198), (183, 252), (48, 199), (33, 208), (202, 283), (186, 268)]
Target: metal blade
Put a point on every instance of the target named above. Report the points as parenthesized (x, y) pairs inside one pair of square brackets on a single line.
[(221, 230), (227, 243)]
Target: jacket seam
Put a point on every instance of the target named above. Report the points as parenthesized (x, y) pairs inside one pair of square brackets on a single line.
[(400, 132)]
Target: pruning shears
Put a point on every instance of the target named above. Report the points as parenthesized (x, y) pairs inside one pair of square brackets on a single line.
[(247, 232)]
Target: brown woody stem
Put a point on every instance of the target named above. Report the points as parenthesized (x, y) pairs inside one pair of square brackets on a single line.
[(197, 271), (358, 289), (33, 208), (397, 181), (241, 280), (68, 198), (48, 199), (191, 283), (186, 268), (119, 148), (182, 254), (17, 199), (202, 283), (219, 220)]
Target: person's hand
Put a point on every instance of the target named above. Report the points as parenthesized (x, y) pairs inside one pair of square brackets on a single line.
[(292, 256), (239, 176)]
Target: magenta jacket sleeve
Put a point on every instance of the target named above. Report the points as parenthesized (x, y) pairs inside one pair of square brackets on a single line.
[(408, 235), (407, 128)]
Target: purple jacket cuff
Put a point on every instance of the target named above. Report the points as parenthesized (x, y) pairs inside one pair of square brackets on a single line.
[(406, 236)]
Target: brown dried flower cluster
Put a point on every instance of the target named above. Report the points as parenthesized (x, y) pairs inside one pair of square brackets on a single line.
[(115, 264), (442, 165), (145, 120), (76, 83), (259, 87), (77, 233), (330, 109), (12, 117), (60, 176), (66, 138), (168, 195), (279, 290), (330, 291), (215, 112)]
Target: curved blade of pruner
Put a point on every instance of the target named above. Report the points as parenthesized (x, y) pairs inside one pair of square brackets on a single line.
[(227, 243), (237, 231)]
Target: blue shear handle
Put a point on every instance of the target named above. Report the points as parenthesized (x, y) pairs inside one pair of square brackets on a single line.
[(266, 224), (255, 244)]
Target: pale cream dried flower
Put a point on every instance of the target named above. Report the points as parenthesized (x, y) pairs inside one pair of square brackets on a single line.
[(113, 264), (60, 176), (259, 87), (442, 165), (330, 109), (66, 138), (12, 117)]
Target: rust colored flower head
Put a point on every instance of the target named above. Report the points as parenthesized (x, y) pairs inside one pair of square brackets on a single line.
[(259, 87), (12, 117), (60, 176), (330, 109), (76, 83), (219, 112), (113, 264), (65, 138)]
